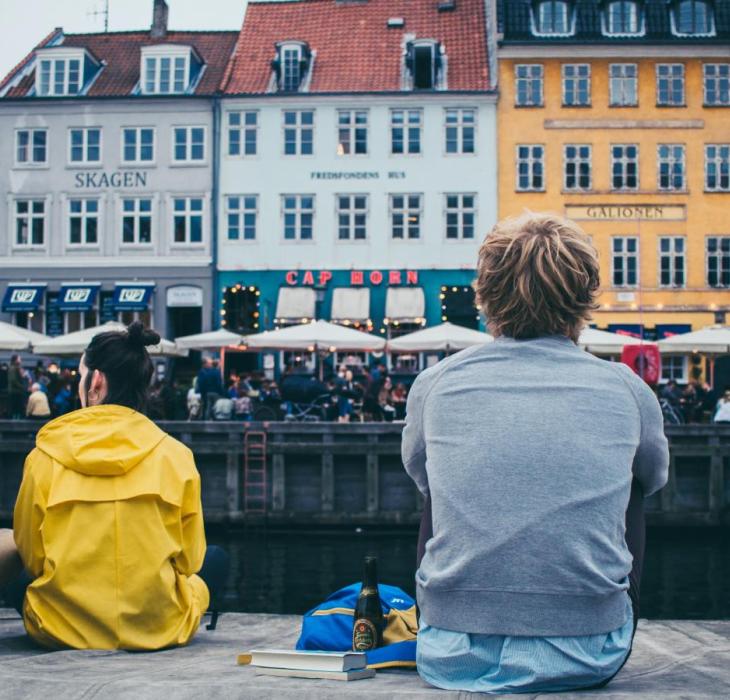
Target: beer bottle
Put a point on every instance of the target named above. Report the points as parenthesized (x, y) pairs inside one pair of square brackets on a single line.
[(369, 621)]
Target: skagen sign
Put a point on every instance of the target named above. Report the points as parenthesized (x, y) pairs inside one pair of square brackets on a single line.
[(627, 212), (99, 181)]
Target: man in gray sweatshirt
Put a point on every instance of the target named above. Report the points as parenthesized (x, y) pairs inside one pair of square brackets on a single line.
[(534, 456)]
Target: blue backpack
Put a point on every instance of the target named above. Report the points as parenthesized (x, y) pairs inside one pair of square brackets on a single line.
[(328, 627)]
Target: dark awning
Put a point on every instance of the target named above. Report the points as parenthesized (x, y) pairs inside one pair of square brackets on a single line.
[(132, 296), (23, 297), (77, 297)]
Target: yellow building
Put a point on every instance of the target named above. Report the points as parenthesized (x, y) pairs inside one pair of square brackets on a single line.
[(617, 114)]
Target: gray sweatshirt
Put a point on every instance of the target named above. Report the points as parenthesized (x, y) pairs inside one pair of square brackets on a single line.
[(528, 449)]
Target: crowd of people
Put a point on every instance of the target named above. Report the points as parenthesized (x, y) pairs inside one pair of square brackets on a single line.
[(697, 402)]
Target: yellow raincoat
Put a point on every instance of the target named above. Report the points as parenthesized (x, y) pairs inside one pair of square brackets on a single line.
[(109, 523)]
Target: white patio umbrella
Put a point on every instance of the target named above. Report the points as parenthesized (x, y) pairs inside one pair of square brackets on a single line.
[(317, 335), (75, 343), (17, 338), (713, 340), (444, 337), (213, 340), (604, 343)]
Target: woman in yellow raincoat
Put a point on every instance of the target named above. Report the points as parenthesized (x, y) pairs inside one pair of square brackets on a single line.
[(108, 521)]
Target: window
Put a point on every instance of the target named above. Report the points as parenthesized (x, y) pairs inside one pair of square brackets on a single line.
[(530, 168), (298, 133), (670, 166), (460, 216), (623, 85), (622, 19), (290, 66), (83, 221), (187, 220), (85, 146), (717, 167), (136, 221), (717, 84), (718, 261), (672, 261), (31, 147), (241, 215), (693, 17), (138, 145), (352, 132), (577, 162), (58, 76), (553, 17), (242, 133), (352, 217), (670, 84), (165, 74), (78, 320), (576, 85), (424, 64), (459, 130), (298, 216), (189, 144), (625, 167), (625, 261), (405, 131), (30, 222), (674, 368), (528, 85), (405, 216)]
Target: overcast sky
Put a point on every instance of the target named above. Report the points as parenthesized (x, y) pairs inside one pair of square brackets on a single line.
[(23, 23)]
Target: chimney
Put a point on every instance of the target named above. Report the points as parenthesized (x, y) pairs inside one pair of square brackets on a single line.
[(159, 20)]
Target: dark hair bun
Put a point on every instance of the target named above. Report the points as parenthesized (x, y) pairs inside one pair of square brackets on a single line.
[(139, 336)]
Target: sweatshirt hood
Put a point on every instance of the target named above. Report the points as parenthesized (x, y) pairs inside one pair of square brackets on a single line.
[(106, 440)]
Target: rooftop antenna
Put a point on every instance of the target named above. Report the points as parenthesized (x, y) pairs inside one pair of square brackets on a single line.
[(104, 12)]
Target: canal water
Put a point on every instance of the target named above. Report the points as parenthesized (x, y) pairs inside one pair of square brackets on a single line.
[(686, 572)]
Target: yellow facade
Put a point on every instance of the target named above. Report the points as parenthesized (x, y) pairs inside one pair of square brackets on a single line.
[(692, 213)]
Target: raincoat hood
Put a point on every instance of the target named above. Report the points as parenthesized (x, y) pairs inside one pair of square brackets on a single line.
[(106, 440)]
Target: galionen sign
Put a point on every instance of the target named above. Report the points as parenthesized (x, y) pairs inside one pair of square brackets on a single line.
[(626, 212)]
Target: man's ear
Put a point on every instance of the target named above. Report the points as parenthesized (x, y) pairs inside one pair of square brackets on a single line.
[(98, 383)]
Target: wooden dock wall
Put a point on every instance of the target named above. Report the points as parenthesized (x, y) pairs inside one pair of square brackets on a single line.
[(351, 474)]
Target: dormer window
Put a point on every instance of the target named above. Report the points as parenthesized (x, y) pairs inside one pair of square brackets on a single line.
[(62, 72), (425, 65), (622, 19), (168, 70), (693, 18), (552, 18), (292, 62)]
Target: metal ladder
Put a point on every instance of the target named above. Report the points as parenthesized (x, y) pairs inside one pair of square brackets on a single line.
[(254, 472)]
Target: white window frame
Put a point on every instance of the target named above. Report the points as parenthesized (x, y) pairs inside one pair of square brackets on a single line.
[(577, 161), (137, 215), (530, 79), (624, 254), (86, 161), (606, 24), (675, 25), (670, 161), (461, 125), (154, 55), (188, 160), (52, 84), (717, 161), (352, 213), (188, 213), (298, 212), (350, 129), (622, 80), (625, 161), (30, 147), (84, 215), (293, 49), (461, 211), (671, 77), (718, 80), (670, 374), (718, 255), (577, 79), (672, 255), (569, 19), (242, 129), (298, 127), (31, 216), (137, 145), (406, 126), (67, 315), (531, 159), (406, 211), (240, 213)]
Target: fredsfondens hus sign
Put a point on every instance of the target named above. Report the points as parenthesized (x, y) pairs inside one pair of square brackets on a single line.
[(626, 212)]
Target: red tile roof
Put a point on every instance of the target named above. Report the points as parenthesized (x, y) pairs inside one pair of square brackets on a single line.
[(356, 50), (121, 52)]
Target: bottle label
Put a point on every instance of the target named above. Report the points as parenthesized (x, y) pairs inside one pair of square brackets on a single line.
[(364, 635)]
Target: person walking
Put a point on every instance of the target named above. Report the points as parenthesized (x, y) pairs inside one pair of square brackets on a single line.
[(534, 457), (210, 387), (17, 388)]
